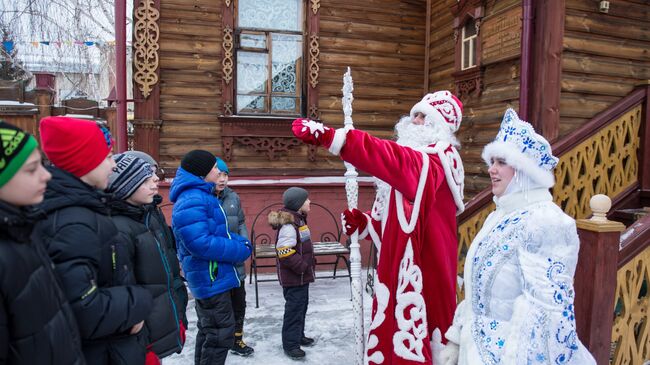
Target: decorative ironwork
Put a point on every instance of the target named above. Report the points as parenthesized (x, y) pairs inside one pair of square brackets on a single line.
[(315, 5), (227, 61), (314, 52), (145, 58), (273, 147), (631, 330), (606, 164)]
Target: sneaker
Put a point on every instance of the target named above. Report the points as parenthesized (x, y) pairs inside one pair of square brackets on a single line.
[(295, 353), (241, 348), (306, 341)]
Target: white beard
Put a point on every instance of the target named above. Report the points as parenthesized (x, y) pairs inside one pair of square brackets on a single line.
[(414, 136)]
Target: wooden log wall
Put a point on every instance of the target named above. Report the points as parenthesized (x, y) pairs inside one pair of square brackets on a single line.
[(604, 57), (190, 78), (482, 114), (382, 40)]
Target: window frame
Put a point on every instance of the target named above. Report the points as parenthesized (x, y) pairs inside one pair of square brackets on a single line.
[(472, 41), (301, 93)]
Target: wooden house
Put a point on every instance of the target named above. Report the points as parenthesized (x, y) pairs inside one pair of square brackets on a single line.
[(229, 76)]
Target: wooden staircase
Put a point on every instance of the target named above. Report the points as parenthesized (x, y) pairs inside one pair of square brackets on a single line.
[(608, 155)]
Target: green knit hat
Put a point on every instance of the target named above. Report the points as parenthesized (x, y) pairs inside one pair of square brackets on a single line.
[(17, 145)]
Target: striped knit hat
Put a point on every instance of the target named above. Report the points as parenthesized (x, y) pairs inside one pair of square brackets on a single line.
[(16, 147), (129, 174)]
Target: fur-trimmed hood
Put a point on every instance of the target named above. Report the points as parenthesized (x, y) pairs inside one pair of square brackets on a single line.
[(278, 218)]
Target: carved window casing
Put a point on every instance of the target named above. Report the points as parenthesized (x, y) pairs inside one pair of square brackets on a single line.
[(468, 75), (270, 72)]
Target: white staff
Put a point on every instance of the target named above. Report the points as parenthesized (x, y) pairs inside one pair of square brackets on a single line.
[(352, 192)]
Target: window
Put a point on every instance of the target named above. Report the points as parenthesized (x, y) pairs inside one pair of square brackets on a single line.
[(468, 47), (269, 69)]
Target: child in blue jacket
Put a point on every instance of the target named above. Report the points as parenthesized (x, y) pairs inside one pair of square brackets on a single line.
[(208, 253)]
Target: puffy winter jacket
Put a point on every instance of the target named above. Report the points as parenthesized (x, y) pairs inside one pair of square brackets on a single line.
[(231, 204), (91, 263), (151, 257), (295, 259), (206, 248), (37, 325)]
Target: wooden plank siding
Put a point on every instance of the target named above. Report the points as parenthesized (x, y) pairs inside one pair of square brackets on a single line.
[(482, 114), (604, 57), (190, 78), (383, 42)]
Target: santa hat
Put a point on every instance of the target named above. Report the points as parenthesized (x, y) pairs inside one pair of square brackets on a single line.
[(523, 149), (75, 145), (441, 107)]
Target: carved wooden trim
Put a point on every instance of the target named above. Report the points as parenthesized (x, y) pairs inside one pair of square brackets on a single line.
[(227, 61), (313, 28), (315, 5), (314, 52), (268, 135), (145, 44), (469, 81)]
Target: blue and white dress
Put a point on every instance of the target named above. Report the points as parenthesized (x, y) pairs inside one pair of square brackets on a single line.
[(519, 287)]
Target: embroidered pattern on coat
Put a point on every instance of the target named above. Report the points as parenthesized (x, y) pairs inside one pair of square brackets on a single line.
[(490, 256), (410, 310)]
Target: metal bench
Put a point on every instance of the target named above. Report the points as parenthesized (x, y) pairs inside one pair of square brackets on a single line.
[(329, 244)]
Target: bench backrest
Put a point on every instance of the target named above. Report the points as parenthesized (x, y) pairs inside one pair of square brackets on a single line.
[(324, 225)]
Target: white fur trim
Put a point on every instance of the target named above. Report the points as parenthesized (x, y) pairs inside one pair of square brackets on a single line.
[(408, 227), (436, 346), (441, 112), (339, 141), (519, 160), (455, 178)]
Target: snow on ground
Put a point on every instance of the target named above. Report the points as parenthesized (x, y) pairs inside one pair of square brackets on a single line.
[(329, 322)]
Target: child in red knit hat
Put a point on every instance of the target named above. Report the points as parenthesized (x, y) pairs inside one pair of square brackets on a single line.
[(81, 239)]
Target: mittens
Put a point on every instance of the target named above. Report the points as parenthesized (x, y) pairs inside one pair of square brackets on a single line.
[(352, 220), (312, 132)]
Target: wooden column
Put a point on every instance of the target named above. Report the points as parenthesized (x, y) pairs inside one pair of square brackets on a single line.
[(595, 278), (644, 134), (313, 69), (146, 76), (547, 67), (227, 58)]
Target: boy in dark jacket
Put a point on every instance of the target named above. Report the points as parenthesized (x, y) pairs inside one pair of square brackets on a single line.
[(159, 217), (236, 224), (83, 243), (295, 265), (134, 186), (208, 253), (37, 325)]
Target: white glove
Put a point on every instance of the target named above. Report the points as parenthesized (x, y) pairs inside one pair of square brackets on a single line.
[(449, 355)]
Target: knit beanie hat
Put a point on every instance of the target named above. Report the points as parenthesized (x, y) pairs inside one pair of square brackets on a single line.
[(294, 197), (222, 167), (198, 162), (145, 156), (129, 174), (17, 145), (75, 145)]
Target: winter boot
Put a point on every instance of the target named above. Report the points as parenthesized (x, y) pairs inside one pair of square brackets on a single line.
[(240, 347), (306, 341), (295, 354)]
